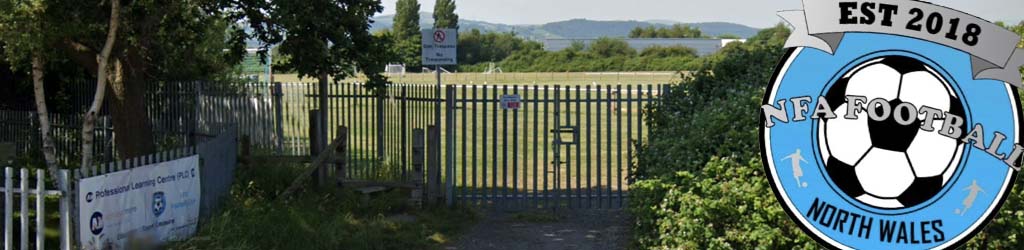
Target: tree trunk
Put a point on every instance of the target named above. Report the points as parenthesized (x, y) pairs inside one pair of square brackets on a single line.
[(322, 133), (133, 130), (49, 154), (102, 74)]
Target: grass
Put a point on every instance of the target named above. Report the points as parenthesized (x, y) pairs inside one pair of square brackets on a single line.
[(320, 219), (516, 78)]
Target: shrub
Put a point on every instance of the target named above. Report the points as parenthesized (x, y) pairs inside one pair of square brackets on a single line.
[(725, 205)]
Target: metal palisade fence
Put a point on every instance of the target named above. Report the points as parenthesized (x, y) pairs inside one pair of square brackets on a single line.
[(559, 146), (19, 130), (564, 146), (567, 146), (32, 219)]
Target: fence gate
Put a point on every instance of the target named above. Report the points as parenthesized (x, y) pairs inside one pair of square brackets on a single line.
[(558, 146)]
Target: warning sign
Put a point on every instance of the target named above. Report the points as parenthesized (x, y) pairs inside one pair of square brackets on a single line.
[(439, 46)]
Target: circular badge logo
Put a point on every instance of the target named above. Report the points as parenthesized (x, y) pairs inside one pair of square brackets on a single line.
[(884, 140), (96, 223)]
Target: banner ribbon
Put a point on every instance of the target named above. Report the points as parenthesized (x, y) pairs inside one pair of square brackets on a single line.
[(993, 49)]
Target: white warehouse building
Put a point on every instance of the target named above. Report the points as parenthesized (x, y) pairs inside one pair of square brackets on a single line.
[(703, 46)]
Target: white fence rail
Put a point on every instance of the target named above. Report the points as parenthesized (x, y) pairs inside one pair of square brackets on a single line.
[(24, 191)]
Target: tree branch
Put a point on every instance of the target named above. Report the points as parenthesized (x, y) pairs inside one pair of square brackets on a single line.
[(102, 74), (81, 54)]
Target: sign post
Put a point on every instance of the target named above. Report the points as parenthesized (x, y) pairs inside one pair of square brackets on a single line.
[(439, 48)]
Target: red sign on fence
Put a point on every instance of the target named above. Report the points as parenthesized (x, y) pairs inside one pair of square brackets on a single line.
[(512, 102)]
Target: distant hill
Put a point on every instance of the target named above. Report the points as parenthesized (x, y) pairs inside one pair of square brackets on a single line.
[(575, 28)]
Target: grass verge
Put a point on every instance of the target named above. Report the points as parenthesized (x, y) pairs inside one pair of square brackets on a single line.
[(320, 219)]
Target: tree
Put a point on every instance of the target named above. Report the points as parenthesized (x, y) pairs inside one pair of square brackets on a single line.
[(444, 15), (477, 47), (676, 31), (407, 19), (407, 31), (156, 42), (103, 61), (609, 47), (186, 40), (21, 30), (322, 38), (669, 51)]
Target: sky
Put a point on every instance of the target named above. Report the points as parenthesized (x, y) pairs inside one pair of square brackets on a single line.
[(755, 13)]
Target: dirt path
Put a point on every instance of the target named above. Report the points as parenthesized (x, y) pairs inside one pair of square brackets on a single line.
[(569, 229)]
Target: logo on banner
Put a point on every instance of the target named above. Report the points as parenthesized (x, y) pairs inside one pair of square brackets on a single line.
[(159, 203), (88, 197), (96, 223), (893, 124)]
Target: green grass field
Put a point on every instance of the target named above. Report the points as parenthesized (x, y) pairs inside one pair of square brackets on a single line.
[(551, 78)]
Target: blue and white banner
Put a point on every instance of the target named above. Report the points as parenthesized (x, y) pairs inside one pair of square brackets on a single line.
[(145, 205)]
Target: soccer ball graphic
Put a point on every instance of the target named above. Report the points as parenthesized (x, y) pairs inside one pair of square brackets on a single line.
[(885, 164)]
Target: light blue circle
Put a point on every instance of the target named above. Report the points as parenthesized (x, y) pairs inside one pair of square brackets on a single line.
[(987, 102)]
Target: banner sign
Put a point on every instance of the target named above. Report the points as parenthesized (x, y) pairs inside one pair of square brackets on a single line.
[(993, 49), (150, 204), (439, 46)]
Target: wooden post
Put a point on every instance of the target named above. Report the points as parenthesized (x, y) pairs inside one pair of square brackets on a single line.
[(246, 149), (341, 155), (278, 94), (418, 146), (381, 105), (315, 148), (433, 165)]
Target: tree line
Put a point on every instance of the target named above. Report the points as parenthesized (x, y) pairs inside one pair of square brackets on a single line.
[(125, 46), (478, 50)]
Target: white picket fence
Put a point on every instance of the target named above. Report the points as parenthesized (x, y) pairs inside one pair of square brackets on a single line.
[(24, 192)]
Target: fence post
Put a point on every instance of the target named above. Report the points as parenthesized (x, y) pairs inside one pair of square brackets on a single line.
[(40, 208), (315, 146), (449, 194), (24, 207), (341, 155), (65, 209), (380, 127), (404, 127), (433, 164), (278, 94), (8, 211), (246, 148), (418, 145), (196, 111)]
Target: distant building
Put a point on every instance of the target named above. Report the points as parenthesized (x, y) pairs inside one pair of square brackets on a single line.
[(703, 46)]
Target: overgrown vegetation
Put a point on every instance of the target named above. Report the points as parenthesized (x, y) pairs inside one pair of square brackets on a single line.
[(477, 50), (700, 182), (676, 31), (320, 219), (603, 55)]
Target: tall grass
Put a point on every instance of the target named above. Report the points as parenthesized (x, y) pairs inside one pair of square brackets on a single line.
[(320, 218)]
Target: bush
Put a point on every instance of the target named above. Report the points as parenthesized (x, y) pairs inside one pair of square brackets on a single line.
[(725, 205), (691, 193)]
